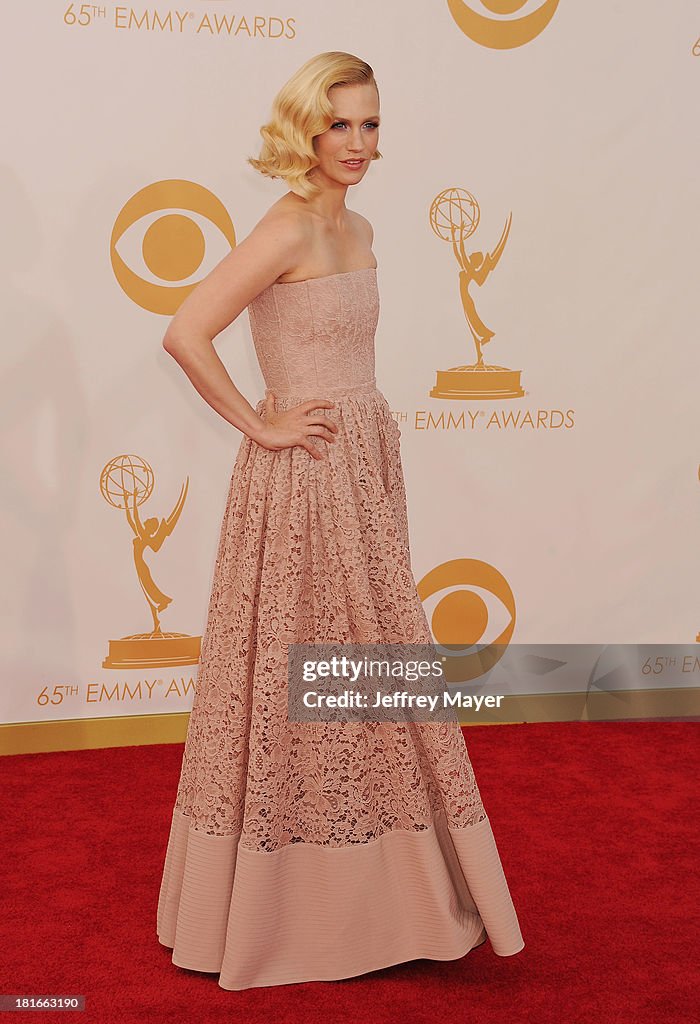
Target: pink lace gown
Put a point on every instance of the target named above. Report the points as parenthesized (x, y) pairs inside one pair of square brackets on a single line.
[(319, 851)]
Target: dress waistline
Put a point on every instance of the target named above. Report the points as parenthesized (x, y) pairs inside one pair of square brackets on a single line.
[(322, 390)]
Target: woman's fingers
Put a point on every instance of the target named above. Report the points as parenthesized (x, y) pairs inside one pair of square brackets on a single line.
[(309, 421), (321, 431), (315, 403), (312, 450)]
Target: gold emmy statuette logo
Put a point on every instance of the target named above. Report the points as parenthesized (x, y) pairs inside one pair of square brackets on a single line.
[(454, 216), (168, 225), (126, 482), (496, 33), (461, 616)]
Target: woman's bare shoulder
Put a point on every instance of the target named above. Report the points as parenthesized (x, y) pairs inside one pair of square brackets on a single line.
[(286, 218)]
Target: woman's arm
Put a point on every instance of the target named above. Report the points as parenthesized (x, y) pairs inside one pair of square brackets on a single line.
[(270, 250)]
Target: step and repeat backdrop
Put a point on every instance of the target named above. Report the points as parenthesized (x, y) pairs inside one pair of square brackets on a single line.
[(543, 371)]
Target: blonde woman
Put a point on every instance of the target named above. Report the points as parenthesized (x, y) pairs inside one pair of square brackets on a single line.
[(304, 851)]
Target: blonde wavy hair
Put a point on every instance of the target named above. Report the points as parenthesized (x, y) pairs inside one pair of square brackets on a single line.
[(302, 110)]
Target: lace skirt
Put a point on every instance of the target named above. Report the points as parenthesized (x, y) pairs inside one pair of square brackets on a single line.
[(319, 851)]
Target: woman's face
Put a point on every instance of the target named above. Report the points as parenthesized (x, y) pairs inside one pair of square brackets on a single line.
[(353, 135)]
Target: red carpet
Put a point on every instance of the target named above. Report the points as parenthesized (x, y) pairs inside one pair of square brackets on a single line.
[(596, 825)]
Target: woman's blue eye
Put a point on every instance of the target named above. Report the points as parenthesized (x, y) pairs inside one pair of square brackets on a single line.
[(339, 124)]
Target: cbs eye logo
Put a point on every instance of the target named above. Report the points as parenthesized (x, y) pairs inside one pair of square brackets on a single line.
[(496, 32), (470, 596), (162, 237)]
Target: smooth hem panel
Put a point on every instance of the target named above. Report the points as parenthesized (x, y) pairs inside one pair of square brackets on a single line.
[(308, 912)]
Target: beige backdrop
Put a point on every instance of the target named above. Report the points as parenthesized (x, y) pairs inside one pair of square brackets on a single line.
[(573, 122)]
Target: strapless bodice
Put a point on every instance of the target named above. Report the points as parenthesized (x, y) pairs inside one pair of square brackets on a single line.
[(317, 336)]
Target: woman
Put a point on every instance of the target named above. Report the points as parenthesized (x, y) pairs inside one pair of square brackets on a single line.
[(304, 851)]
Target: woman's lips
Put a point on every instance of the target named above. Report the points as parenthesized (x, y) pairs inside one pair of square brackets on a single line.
[(353, 163)]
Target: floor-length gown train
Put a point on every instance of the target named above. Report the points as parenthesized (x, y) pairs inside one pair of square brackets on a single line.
[(320, 851)]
